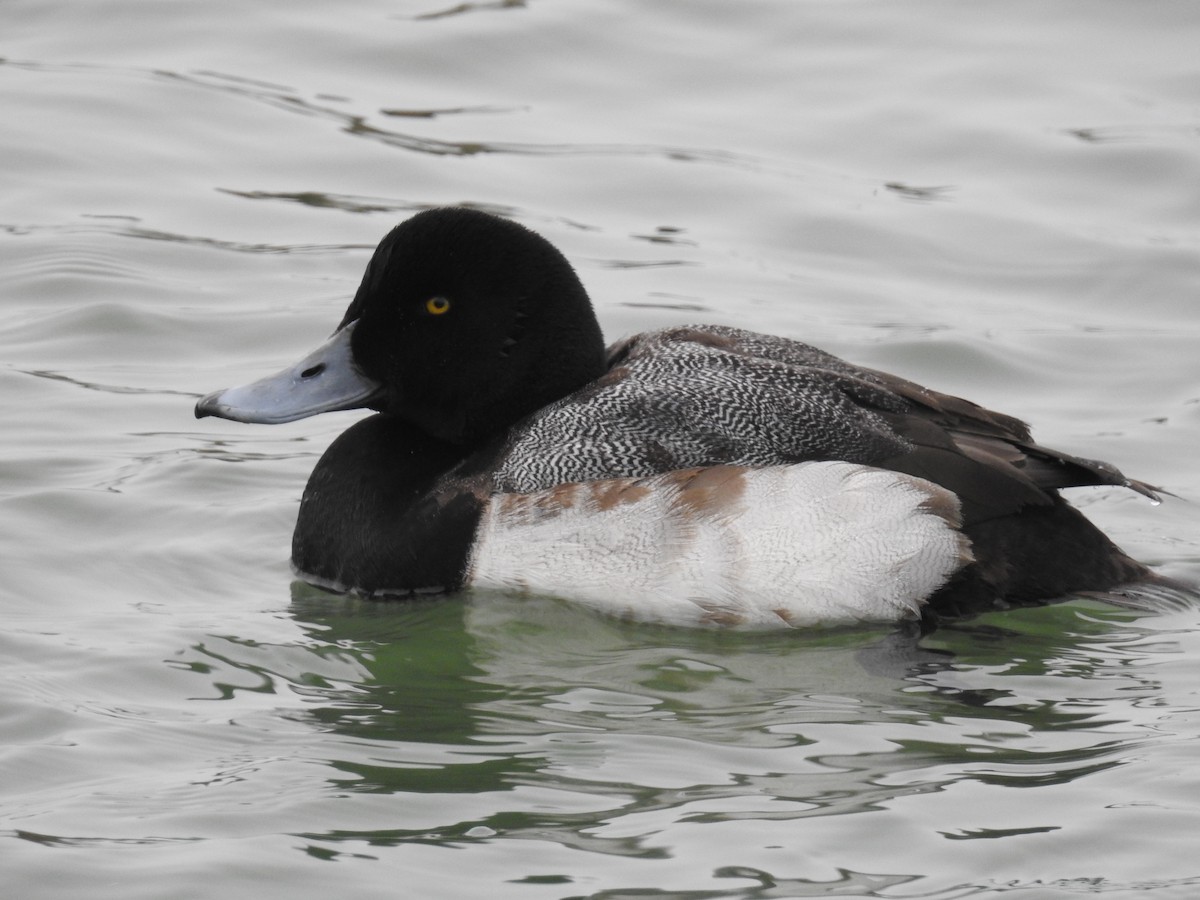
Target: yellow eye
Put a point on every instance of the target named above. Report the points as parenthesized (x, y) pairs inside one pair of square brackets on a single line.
[(436, 306)]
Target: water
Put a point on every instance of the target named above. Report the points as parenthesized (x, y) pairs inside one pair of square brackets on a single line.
[(996, 199)]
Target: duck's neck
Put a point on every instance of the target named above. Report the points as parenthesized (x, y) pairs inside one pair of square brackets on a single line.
[(372, 519)]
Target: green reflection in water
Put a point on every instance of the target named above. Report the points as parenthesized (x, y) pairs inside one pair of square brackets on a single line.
[(530, 719)]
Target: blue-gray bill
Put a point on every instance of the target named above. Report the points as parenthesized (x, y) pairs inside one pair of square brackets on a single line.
[(324, 381)]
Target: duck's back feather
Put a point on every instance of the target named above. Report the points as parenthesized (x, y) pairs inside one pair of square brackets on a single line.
[(703, 396)]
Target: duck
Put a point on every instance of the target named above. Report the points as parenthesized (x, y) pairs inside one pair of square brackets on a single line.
[(696, 475)]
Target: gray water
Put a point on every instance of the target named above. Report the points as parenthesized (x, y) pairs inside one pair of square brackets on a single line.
[(996, 199)]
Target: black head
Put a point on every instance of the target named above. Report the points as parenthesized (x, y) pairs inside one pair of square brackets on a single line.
[(470, 322)]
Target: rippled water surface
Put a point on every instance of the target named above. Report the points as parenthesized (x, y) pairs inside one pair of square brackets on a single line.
[(996, 199)]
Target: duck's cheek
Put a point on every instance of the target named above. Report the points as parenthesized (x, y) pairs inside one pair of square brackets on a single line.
[(324, 381)]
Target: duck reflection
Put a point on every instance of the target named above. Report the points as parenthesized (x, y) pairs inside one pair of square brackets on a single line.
[(528, 718)]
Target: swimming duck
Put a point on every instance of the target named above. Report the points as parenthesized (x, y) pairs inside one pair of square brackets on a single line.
[(696, 475)]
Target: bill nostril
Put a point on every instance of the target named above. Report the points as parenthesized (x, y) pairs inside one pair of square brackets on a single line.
[(313, 371)]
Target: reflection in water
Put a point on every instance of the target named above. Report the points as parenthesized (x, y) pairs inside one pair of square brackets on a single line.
[(549, 723), (470, 7)]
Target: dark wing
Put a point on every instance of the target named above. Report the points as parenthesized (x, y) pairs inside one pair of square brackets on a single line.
[(708, 395), (991, 446)]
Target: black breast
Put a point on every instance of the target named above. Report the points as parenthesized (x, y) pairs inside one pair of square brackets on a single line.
[(373, 517)]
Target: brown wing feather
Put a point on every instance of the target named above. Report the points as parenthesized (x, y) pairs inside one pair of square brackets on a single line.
[(997, 442)]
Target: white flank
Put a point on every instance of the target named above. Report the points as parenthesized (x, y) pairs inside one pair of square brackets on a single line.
[(819, 543)]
